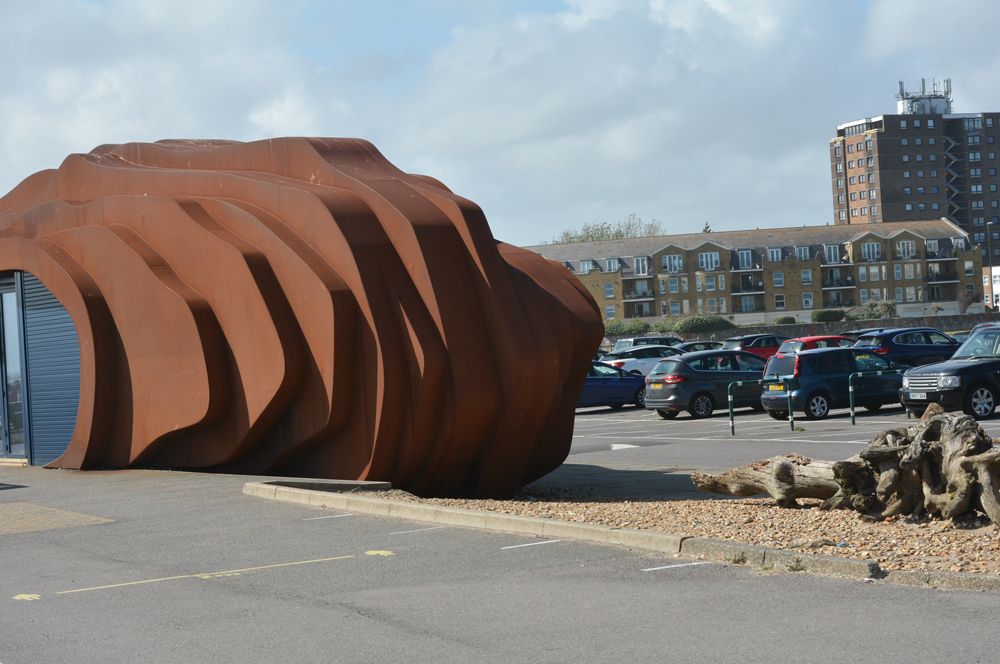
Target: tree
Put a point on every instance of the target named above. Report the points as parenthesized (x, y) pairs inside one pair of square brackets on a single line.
[(631, 226), (965, 300), (707, 228), (874, 309)]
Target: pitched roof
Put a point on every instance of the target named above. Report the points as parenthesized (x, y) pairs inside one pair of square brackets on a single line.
[(760, 238)]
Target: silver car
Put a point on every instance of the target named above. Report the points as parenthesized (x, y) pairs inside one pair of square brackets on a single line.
[(639, 359)]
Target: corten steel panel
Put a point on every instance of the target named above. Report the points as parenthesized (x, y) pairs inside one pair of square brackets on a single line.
[(301, 307)]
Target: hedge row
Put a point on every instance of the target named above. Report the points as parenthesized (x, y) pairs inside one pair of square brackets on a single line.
[(691, 324)]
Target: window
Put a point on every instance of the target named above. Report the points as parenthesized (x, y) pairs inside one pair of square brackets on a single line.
[(640, 265), (908, 270), (906, 249), (970, 269), (802, 253), (862, 195), (932, 247), (709, 283), (916, 124), (779, 302), (932, 157), (712, 309), (917, 141), (832, 253), (930, 124), (979, 237), (976, 205), (774, 255), (850, 147), (871, 251), (906, 157), (978, 221), (975, 173), (906, 174), (746, 259), (701, 306), (909, 207), (840, 183), (874, 297), (663, 308), (697, 283), (975, 156), (612, 264), (897, 272), (840, 199), (854, 195), (722, 305), (609, 289), (911, 293), (586, 266), (684, 284), (708, 260), (687, 307), (807, 277), (722, 282), (675, 308), (871, 177), (919, 157), (672, 284), (931, 140), (904, 141), (609, 311), (921, 206), (934, 189), (902, 124), (843, 215), (933, 174), (864, 296), (838, 151), (853, 180), (854, 212), (976, 188), (840, 167), (779, 279), (871, 195), (807, 300), (862, 275), (973, 140), (850, 164), (663, 286), (899, 293), (907, 191), (872, 273), (673, 263), (868, 145)]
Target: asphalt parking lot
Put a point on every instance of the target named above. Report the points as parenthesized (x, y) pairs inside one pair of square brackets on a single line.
[(637, 452)]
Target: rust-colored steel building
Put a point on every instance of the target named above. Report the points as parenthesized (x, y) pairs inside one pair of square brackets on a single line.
[(293, 307)]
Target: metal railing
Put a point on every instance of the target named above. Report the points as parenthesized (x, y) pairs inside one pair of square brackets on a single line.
[(765, 381), (850, 385)]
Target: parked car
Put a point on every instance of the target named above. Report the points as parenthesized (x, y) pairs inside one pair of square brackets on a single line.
[(699, 382), (854, 334), (622, 344), (818, 380), (910, 346), (764, 345), (599, 354), (809, 343), (608, 386), (969, 381), (960, 337), (639, 359), (695, 346)]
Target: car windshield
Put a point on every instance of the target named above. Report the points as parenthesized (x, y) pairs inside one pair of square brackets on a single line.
[(666, 367), (792, 346), (982, 343), (622, 343), (869, 342), (732, 343), (780, 366)]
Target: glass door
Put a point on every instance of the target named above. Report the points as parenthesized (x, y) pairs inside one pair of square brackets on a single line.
[(11, 374)]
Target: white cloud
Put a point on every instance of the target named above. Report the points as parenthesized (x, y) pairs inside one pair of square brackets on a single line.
[(560, 114)]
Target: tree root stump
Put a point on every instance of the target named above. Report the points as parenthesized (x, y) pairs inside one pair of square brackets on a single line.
[(945, 465)]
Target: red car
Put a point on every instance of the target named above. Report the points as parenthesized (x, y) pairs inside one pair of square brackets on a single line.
[(764, 345), (808, 343)]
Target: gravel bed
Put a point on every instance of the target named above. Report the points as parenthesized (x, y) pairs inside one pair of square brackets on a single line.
[(969, 544)]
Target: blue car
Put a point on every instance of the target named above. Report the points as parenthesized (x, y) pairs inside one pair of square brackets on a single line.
[(608, 386), (910, 346)]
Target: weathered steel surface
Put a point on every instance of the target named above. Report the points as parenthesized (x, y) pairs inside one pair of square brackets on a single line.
[(301, 307)]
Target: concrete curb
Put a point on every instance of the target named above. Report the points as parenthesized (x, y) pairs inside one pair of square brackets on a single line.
[(727, 552)]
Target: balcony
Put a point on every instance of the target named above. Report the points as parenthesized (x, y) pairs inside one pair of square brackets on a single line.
[(942, 278), (913, 256), (877, 258), (839, 283), (838, 304), (747, 290), (748, 267), (637, 296)]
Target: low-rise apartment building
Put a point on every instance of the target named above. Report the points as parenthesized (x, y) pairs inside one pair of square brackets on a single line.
[(754, 276)]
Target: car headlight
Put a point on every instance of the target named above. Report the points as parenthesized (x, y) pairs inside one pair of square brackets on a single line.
[(945, 382), (906, 382)]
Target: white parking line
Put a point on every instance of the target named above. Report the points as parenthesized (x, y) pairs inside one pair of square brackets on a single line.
[(419, 530), (332, 516), (653, 569), (518, 546)]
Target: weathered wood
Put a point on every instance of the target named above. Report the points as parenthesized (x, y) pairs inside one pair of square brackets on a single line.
[(943, 465)]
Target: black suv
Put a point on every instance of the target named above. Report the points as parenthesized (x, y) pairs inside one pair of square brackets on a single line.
[(969, 381)]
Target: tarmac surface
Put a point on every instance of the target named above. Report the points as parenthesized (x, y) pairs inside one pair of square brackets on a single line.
[(148, 566)]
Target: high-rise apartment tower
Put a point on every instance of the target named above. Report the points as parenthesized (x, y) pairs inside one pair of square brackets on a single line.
[(924, 162)]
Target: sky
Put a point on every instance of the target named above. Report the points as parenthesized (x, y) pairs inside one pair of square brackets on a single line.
[(548, 114)]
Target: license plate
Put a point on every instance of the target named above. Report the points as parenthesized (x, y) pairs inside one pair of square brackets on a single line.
[(776, 388), (918, 395), (656, 386)]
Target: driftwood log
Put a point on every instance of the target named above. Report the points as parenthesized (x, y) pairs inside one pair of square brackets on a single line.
[(944, 465)]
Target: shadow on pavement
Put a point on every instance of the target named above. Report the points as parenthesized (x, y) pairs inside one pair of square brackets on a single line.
[(664, 483)]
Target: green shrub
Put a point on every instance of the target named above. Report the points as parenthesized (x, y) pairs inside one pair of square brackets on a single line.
[(703, 324), (667, 325), (614, 328), (784, 320), (635, 327), (827, 315)]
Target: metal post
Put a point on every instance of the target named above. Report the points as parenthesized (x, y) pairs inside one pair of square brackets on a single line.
[(850, 389), (791, 413), (850, 385), (732, 418)]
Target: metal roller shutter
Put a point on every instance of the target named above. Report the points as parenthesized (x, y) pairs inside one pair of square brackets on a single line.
[(53, 372)]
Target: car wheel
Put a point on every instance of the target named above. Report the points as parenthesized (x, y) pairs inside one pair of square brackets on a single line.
[(817, 406), (980, 402), (616, 406), (701, 406), (667, 414), (640, 397), (778, 415), (873, 407)]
